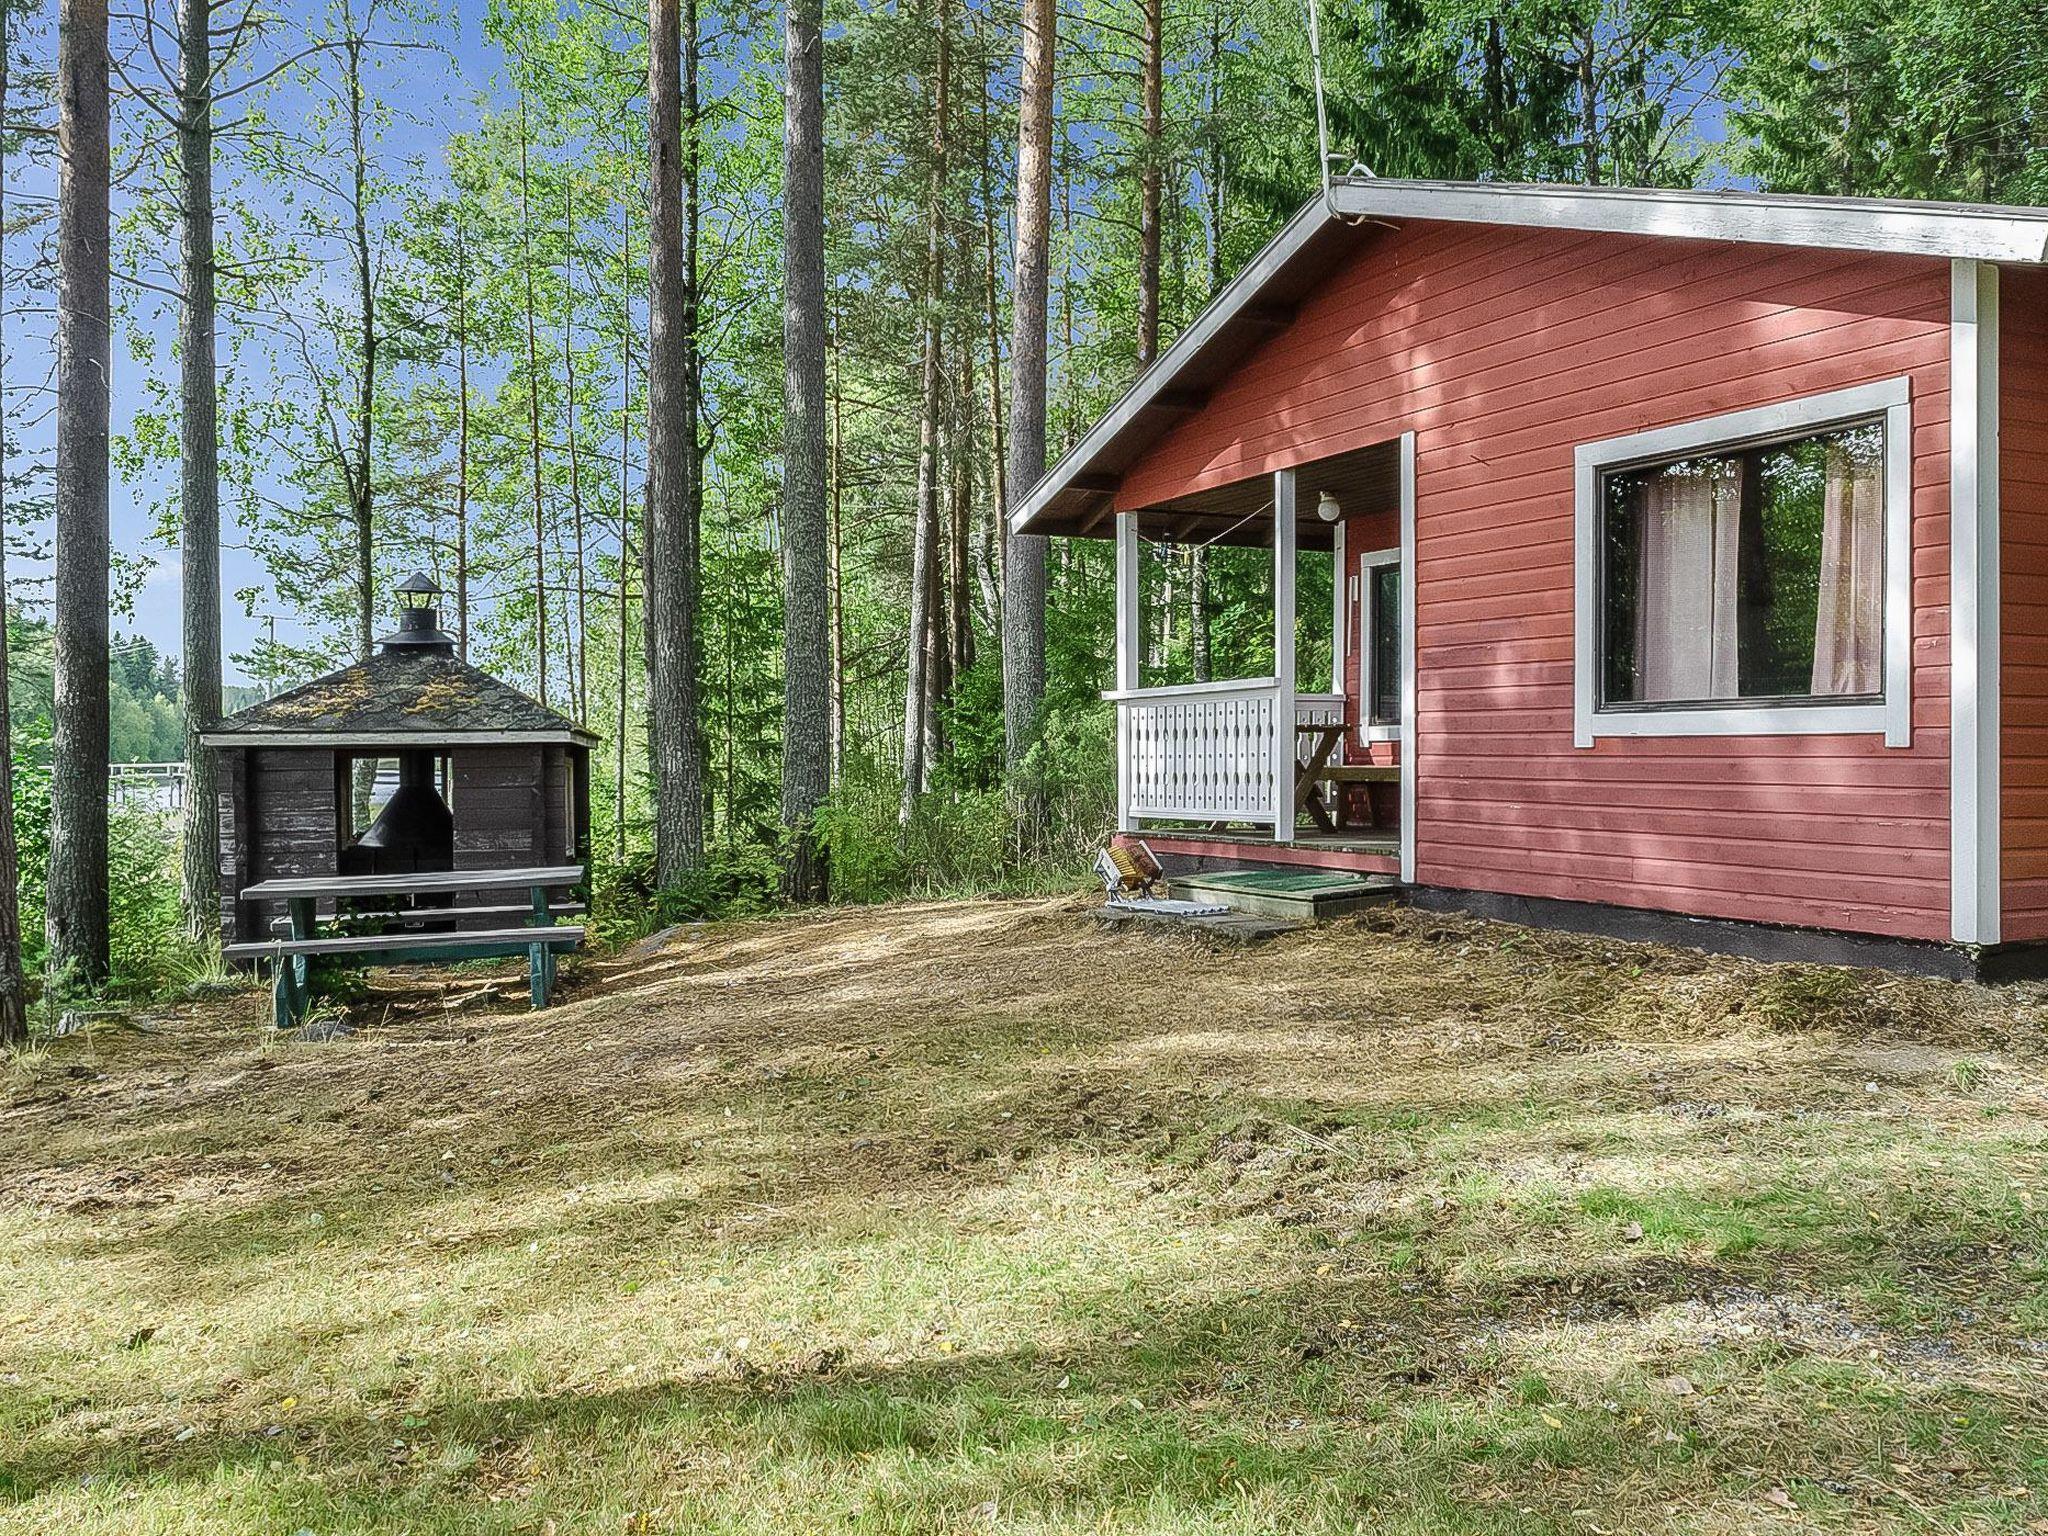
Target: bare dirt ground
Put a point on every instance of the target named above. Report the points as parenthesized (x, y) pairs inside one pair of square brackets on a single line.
[(976, 1217)]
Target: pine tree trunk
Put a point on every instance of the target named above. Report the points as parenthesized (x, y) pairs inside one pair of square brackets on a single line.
[(581, 625), (669, 569), (199, 488), (76, 910), (992, 312), (1198, 554), (1152, 151), (959, 610), (540, 551), (362, 505), (806, 647), (918, 687), (835, 677), (1024, 557), (356, 466), (624, 658), (13, 985), (462, 444), (1589, 106)]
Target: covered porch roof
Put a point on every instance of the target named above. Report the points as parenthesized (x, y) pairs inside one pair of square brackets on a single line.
[(1241, 513), (1077, 497)]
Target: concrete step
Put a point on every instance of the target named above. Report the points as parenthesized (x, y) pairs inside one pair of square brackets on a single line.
[(1306, 896)]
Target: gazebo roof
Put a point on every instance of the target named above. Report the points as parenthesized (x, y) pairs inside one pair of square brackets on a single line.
[(402, 696)]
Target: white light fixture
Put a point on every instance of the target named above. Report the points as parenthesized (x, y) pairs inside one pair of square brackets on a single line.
[(1327, 508)]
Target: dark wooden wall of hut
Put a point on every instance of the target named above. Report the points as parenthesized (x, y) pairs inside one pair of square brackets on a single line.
[(278, 818)]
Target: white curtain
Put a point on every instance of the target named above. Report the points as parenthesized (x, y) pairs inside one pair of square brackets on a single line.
[(1848, 631), (1690, 517)]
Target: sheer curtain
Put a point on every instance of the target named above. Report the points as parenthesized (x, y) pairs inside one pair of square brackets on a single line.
[(1690, 517), (1848, 631)]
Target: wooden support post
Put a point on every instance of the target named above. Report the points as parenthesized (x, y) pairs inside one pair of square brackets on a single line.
[(1283, 656), (1128, 641)]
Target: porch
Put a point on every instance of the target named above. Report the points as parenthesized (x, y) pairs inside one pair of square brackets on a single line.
[(1258, 769)]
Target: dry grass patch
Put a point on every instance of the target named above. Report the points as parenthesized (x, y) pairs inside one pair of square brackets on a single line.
[(973, 1216)]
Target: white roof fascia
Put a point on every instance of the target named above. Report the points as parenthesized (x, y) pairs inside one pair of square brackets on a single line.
[(1972, 231)]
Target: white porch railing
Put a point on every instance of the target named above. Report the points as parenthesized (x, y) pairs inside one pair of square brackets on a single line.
[(1205, 752)]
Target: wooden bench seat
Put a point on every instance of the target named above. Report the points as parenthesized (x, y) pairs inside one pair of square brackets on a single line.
[(442, 914), (1360, 773), (288, 957)]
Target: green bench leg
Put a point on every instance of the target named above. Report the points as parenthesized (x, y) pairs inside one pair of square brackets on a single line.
[(289, 992), (537, 973)]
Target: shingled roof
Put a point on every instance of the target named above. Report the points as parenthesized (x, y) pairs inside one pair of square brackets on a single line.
[(400, 695)]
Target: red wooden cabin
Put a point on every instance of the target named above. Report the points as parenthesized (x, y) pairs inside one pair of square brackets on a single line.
[(1693, 553)]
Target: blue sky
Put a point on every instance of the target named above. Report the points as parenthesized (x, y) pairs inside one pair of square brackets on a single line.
[(433, 91)]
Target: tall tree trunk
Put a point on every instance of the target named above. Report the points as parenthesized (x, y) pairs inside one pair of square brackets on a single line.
[(625, 531), (805, 646), (357, 462), (581, 625), (76, 910), (959, 609), (199, 481), (992, 313), (1198, 553), (1024, 558), (1589, 105), (918, 690), (13, 985), (540, 551), (669, 570), (835, 676), (462, 443), (362, 504), (1151, 152)]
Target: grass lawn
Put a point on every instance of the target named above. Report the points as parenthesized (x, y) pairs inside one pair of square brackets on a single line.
[(974, 1217)]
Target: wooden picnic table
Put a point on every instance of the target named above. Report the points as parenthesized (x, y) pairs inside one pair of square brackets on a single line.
[(302, 894), (1313, 771)]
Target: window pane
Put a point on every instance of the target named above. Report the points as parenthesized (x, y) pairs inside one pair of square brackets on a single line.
[(1757, 574), (1386, 644)]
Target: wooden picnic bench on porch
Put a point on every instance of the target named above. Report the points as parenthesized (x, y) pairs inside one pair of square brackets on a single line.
[(1313, 772), (413, 934)]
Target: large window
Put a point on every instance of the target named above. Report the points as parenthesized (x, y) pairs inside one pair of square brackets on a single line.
[(1749, 574), (1757, 574)]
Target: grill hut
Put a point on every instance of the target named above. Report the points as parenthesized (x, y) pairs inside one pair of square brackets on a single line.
[(463, 772)]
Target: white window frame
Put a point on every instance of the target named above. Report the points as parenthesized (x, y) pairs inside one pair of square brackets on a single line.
[(1890, 716), (1370, 730)]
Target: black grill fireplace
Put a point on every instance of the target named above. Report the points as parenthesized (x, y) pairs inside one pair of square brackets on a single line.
[(413, 834)]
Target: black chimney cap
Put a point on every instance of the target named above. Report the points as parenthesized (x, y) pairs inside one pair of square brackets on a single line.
[(419, 622)]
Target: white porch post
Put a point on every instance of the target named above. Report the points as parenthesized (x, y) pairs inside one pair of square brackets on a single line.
[(1975, 890), (1340, 632), (1127, 641), (1283, 656)]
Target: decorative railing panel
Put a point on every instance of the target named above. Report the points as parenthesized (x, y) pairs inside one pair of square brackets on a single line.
[(1206, 752)]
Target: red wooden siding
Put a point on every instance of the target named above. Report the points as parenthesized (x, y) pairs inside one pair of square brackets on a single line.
[(1504, 349), (2023, 598)]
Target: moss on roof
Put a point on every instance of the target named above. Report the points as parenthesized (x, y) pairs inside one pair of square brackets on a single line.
[(400, 691)]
